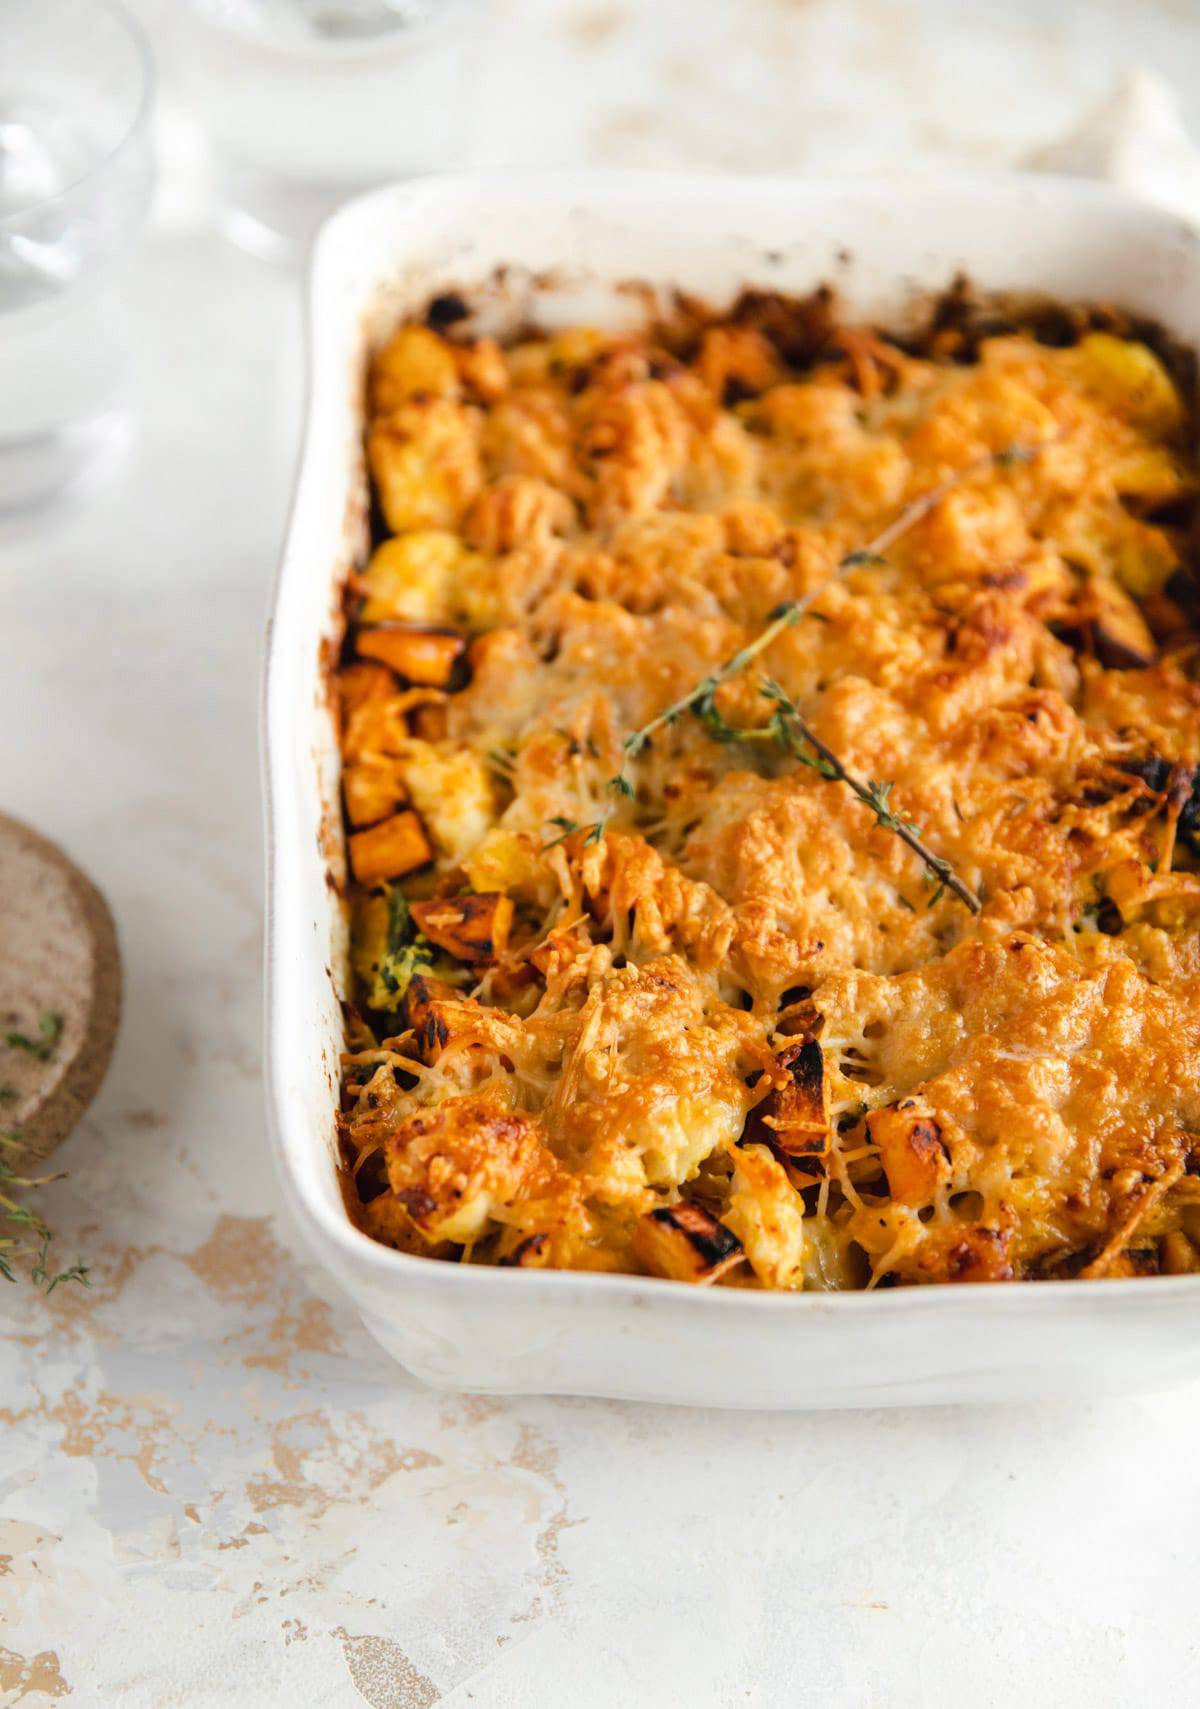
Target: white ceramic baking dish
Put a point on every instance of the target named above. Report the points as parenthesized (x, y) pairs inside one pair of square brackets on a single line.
[(540, 1331)]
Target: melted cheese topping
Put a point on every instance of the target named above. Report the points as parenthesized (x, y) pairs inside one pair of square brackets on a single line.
[(601, 520)]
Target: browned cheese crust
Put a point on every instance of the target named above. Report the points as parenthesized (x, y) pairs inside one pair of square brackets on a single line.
[(725, 1027)]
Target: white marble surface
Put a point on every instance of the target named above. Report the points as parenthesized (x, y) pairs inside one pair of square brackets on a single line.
[(213, 1491)]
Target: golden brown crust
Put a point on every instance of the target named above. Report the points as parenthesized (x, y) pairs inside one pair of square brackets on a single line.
[(736, 1036)]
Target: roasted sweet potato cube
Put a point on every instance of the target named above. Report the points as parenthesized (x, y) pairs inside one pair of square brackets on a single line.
[(389, 850), (914, 1155), (359, 685), (794, 1118), (423, 656), (685, 1243), (372, 791), (471, 928)]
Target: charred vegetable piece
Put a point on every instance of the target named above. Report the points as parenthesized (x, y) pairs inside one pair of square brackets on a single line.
[(389, 850), (799, 1020), (470, 928), (795, 1118), (1119, 632), (1113, 628), (1164, 777), (914, 1154), (1183, 586), (418, 1011), (686, 1244), (532, 1254), (426, 657), (980, 1255), (371, 792)]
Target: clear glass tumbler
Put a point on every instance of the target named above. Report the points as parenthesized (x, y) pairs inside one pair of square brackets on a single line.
[(75, 173), (306, 102)]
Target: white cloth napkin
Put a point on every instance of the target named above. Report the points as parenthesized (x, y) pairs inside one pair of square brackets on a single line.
[(1135, 139)]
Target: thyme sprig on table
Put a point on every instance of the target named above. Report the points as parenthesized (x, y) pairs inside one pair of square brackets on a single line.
[(19, 1221), (787, 727)]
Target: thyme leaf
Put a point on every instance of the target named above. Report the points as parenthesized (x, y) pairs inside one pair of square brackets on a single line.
[(787, 728), (49, 1027), (40, 1274), (797, 736), (565, 825), (18, 1217)]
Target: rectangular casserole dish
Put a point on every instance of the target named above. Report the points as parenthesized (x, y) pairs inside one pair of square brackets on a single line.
[(568, 244)]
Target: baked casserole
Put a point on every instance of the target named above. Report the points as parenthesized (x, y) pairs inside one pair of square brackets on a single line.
[(770, 764)]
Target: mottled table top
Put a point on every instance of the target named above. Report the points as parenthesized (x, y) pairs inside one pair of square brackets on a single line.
[(213, 1489)]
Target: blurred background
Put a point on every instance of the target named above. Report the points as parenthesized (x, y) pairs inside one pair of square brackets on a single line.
[(783, 85), (255, 118)]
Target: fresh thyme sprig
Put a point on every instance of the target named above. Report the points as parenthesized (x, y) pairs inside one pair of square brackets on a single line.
[(20, 1219), (789, 730), (565, 827), (793, 733), (43, 1277), (700, 700)]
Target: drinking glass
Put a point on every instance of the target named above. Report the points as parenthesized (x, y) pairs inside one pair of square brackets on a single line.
[(306, 102), (75, 173)]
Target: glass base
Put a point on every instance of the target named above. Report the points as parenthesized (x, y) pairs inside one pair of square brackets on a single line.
[(276, 218), (38, 467)]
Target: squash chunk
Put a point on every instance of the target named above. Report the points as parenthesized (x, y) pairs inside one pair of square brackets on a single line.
[(794, 1118), (685, 1243), (363, 685), (372, 791), (416, 361), (914, 1154), (471, 928), (1130, 380), (418, 1011), (424, 459), (1118, 630), (767, 1214), (390, 850), (426, 657), (414, 578)]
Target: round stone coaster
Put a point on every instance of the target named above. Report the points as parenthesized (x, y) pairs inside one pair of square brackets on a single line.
[(60, 989)]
